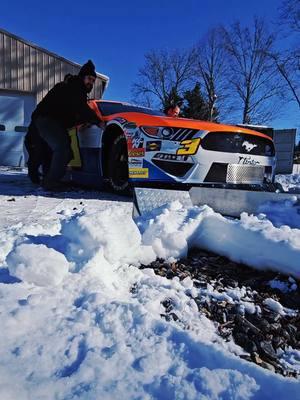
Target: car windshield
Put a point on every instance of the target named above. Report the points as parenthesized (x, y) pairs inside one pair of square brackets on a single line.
[(108, 108)]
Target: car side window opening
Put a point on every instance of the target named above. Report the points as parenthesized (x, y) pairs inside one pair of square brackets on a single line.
[(109, 108)]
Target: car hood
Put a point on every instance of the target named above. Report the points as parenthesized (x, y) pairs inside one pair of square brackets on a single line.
[(155, 120)]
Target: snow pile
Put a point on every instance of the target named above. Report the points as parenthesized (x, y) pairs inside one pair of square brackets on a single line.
[(85, 323), (6, 243), (252, 240), (285, 212), (37, 264), (99, 333), (277, 307), (112, 231), (170, 231), (289, 182), (284, 286), (290, 359), (115, 239)]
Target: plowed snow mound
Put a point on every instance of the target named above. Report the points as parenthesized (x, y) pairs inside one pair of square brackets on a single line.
[(94, 329)]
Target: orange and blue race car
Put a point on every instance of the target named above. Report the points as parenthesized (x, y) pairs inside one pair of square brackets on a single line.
[(138, 146)]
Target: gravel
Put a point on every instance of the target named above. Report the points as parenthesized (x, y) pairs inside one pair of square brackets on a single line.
[(260, 316)]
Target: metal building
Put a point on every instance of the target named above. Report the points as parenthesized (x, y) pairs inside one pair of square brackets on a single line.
[(27, 73)]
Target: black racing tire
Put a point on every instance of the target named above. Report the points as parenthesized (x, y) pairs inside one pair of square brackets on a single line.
[(117, 166)]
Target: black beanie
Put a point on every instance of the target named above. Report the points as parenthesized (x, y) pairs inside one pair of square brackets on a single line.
[(88, 69)]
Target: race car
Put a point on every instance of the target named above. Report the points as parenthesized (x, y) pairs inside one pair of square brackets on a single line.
[(134, 145)]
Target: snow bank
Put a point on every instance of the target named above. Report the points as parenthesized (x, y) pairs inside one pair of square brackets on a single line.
[(280, 213), (37, 264), (252, 240), (90, 326), (112, 231), (289, 182), (99, 334)]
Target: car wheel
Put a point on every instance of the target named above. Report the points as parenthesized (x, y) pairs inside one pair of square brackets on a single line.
[(118, 166)]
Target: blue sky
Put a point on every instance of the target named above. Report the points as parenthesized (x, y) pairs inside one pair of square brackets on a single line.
[(116, 34)]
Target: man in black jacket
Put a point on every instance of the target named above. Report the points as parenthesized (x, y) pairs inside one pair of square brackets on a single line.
[(63, 107)]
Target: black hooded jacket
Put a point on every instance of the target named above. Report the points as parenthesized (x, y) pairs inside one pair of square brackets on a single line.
[(66, 102)]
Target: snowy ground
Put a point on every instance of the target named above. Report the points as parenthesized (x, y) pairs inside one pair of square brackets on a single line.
[(289, 181), (74, 328)]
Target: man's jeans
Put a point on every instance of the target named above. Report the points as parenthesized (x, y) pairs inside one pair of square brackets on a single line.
[(57, 138), (39, 153)]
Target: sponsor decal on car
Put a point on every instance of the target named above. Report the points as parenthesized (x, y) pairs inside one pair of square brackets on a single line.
[(138, 143), (155, 145), (247, 161), (135, 142), (189, 146), (139, 173), (136, 153), (135, 162), (135, 145), (171, 157)]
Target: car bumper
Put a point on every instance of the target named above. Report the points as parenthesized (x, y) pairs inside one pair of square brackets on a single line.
[(204, 166)]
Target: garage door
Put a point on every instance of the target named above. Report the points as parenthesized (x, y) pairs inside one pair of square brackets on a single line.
[(15, 113)]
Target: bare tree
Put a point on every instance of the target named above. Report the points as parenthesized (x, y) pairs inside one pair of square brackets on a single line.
[(211, 69), (290, 14), (164, 72), (287, 61), (252, 74), (288, 66)]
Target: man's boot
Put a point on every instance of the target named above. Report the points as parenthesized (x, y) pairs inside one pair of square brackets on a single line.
[(53, 186), (33, 174)]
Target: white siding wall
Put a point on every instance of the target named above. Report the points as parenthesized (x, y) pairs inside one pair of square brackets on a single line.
[(26, 67)]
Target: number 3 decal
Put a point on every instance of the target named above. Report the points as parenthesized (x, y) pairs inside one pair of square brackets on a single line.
[(188, 147)]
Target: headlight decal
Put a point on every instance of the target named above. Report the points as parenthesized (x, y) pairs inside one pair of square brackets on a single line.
[(152, 131), (166, 132), (169, 133)]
